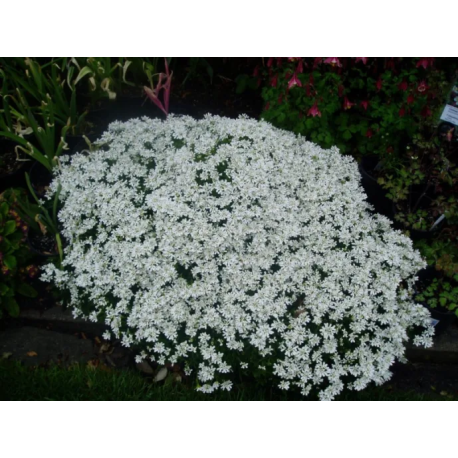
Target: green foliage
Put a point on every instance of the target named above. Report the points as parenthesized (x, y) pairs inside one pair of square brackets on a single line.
[(15, 267), (443, 290), (195, 66), (363, 108), (245, 82), (105, 76), (42, 216), (429, 166), (443, 254), (48, 90), (79, 382), (441, 293)]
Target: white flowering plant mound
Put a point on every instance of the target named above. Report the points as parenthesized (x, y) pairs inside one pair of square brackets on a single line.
[(230, 245)]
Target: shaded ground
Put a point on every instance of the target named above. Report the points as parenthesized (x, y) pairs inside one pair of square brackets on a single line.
[(91, 382), (52, 341)]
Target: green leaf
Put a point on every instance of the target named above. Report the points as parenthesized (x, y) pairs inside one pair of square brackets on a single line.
[(11, 306), (4, 209), (443, 301), (3, 289), (83, 72), (10, 261), (10, 227), (26, 290)]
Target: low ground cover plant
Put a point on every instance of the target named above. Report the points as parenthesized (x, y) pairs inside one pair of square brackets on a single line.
[(230, 245)]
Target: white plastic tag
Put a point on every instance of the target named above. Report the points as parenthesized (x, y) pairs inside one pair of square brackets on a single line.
[(450, 114), (434, 322)]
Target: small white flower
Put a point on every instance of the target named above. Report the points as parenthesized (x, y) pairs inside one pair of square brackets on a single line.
[(211, 240)]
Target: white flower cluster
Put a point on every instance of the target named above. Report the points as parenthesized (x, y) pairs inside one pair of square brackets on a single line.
[(220, 242)]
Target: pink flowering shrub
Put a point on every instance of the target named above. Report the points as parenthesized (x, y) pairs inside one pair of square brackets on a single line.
[(361, 105)]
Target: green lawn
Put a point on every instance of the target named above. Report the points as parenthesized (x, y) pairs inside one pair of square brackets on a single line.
[(82, 383)]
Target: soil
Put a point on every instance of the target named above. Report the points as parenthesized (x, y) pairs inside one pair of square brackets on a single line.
[(8, 163), (40, 178), (43, 244), (44, 299), (425, 378), (196, 98)]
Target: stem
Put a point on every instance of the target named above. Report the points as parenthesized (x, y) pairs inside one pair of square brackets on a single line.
[(417, 203)]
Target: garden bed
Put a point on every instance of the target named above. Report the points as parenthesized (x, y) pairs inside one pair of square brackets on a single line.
[(355, 340)]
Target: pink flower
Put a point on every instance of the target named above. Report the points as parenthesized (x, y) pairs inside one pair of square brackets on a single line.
[(334, 61), (378, 84), (300, 67), (347, 104), (369, 133), (422, 87), (425, 62), (314, 111), (294, 81), (270, 61), (402, 111), (362, 59), (410, 99), (273, 81), (365, 104)]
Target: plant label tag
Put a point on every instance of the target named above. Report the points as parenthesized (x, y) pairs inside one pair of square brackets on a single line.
[(450, 114), (438, 221), (434, 322)]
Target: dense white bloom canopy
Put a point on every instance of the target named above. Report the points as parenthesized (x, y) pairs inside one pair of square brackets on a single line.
[(230, 244)]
